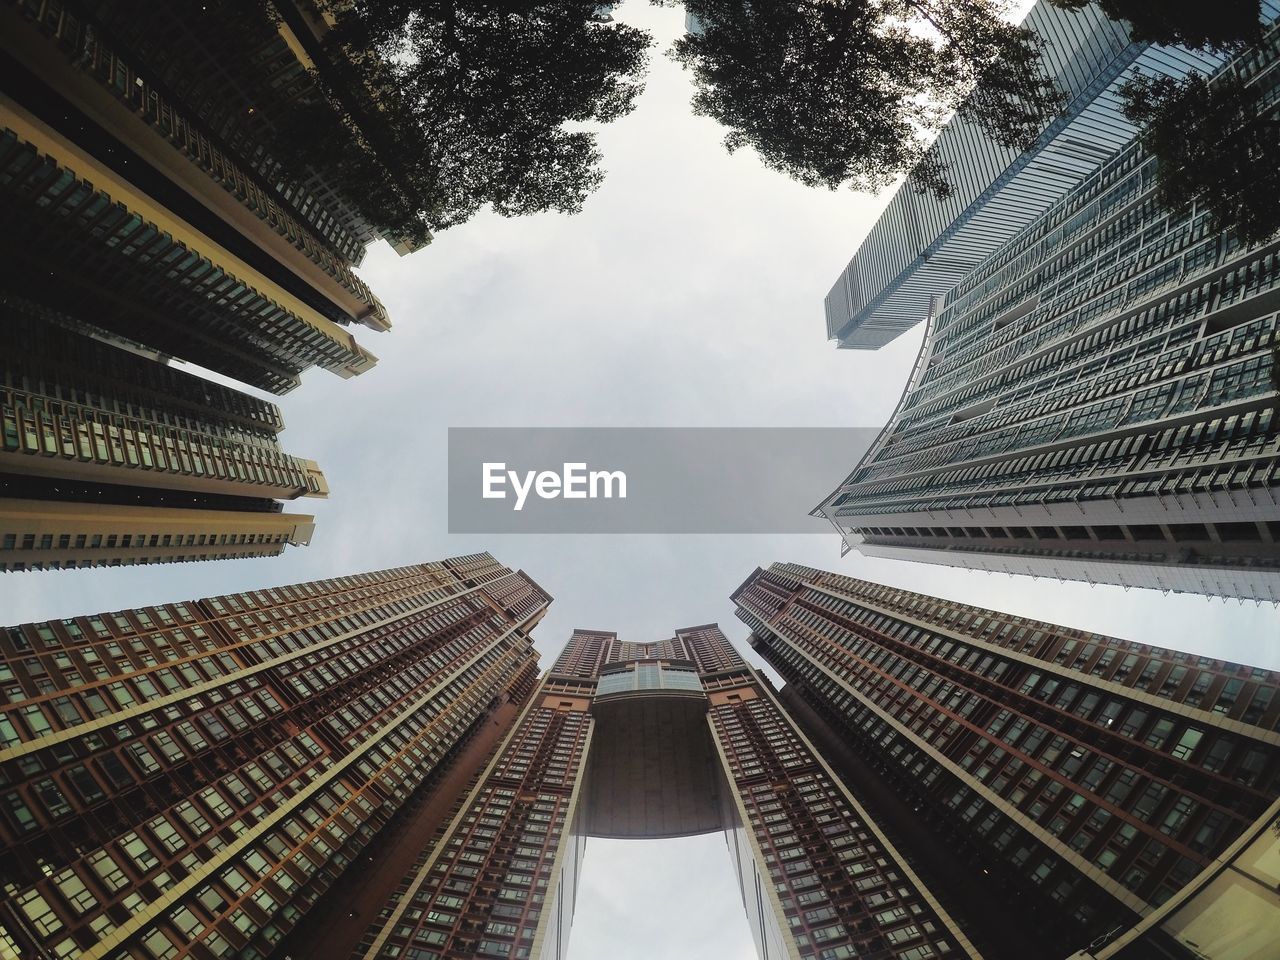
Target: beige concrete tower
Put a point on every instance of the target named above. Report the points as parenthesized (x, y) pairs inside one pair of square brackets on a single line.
[(150, 208), (108, 457)]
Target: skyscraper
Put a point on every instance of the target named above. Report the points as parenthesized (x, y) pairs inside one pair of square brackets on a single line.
[(147, 212), (142, 193), (1095, 401), (1079, 780), (650, 740), (922, 246), (109, 457), (1231, 908), (193, 779), (370, 767)]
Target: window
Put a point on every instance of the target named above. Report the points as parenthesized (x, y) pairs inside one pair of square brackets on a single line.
[(1199, 688), (108, 871), (1207, 837), (835, 931), (51, 798), (1218, 755), (137, 849), (1178, 816), (85, 785), (1186, 744), (1252, 766), (898, 936), (1159, 733), (166, 834), (8, 733), (1227, 698), (1133, 723), (36, 720), (186, 923), (39, 913), (1259, 705), (1149, 802), (158, 945), (75, 892)]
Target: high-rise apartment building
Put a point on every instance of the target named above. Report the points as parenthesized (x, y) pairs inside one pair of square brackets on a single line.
[(196, 779), (369, 767), (146, 205), (1095, 401), (1079, 781), (141, 193), (658, 740), (109, 457), (921, 246), (1230, 909)]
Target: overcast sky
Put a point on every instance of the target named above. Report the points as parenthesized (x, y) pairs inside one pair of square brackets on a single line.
[(688, 293)]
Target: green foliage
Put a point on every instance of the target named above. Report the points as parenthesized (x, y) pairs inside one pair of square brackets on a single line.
[(435, 109), (1216, 144), (848, 91), (1192, 23)]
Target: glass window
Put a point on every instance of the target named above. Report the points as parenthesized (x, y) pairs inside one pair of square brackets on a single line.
[(39, 913), (1149, 802), (1160, 732), (75, 892), (108, 871), (158, 945), (1219, 753), (138, 850), (1186, 745)]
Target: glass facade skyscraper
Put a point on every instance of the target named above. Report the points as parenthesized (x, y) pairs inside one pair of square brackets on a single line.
[(1095, 401), (921, 246)]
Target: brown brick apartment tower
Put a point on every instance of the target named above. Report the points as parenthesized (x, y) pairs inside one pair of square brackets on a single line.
[(197, 779), (659, 740), (369, 767), (1078, 780)]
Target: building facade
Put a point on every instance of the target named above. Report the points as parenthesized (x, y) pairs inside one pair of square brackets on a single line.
[(1081, 780), (194, 779), (109, 457), (651, 740), (1096, 401), (144, 206), (142, 196), (1232, 908), (921, 246), (370, 767)]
